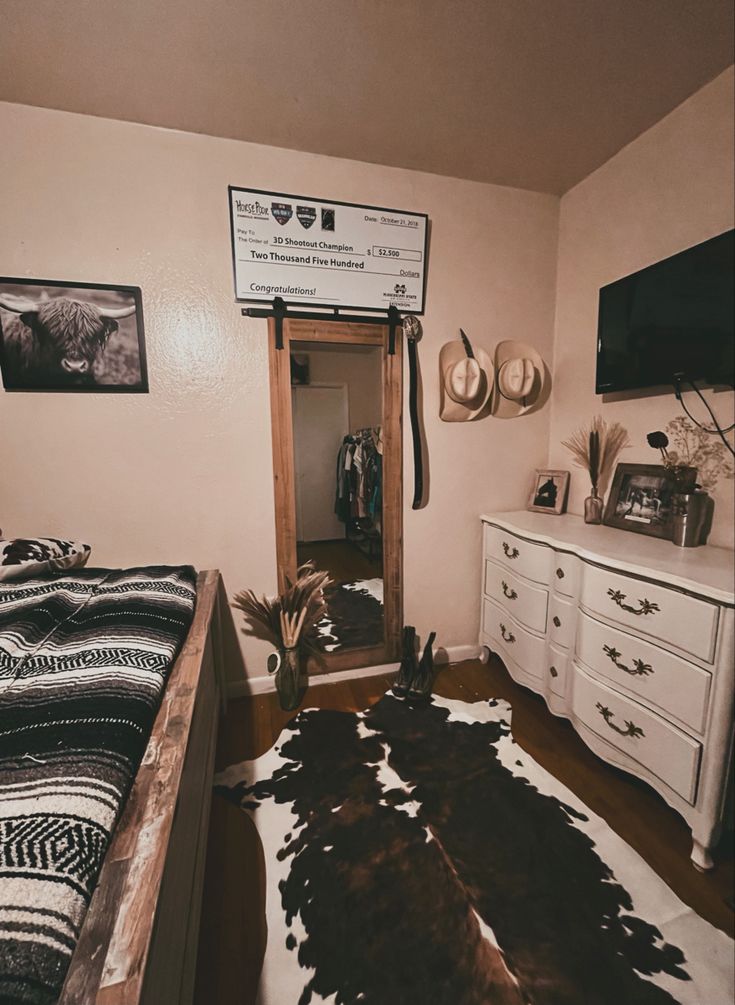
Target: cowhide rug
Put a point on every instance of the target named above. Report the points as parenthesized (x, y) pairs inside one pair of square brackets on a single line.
[(417, 856), (355, 616)]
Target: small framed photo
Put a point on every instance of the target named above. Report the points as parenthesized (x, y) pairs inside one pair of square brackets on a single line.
[(641, 498), (549, 492), (71, 336)]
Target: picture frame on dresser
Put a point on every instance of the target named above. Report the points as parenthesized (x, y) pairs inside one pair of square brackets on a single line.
[(641, 497), (549, 490)]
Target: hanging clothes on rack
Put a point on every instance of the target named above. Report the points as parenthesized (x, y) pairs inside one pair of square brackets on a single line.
[(359, 489), (344, 462)]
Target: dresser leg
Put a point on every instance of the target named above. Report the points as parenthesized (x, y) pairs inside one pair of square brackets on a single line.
[(701, 858)]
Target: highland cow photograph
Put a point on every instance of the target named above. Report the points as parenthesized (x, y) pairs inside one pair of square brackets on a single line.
[(71, 337)]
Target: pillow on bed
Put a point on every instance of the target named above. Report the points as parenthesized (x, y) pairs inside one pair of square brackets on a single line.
[(33, 556)]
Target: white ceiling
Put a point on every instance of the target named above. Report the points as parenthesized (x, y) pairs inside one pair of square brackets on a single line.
[(530, 93)]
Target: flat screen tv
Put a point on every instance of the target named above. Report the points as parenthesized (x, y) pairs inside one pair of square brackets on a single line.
[(671, 320)]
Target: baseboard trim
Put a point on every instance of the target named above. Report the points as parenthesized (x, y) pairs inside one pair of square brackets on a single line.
[(263, 685), (458, 654)]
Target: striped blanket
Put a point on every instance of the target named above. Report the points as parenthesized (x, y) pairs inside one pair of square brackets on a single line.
[(83, 661)]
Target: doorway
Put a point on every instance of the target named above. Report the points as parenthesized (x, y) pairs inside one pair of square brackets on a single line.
[(336, 408), (320, 421)]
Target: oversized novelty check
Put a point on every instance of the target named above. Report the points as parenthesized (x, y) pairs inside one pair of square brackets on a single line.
[(326, 254)]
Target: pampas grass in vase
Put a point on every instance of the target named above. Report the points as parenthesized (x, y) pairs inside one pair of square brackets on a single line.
[(596, 449), (288, 622)]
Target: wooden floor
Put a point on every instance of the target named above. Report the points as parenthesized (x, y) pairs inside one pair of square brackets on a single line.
[(233, 923), (343, 560)]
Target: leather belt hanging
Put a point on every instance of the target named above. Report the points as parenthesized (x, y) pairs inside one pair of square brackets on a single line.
[(412, 331)]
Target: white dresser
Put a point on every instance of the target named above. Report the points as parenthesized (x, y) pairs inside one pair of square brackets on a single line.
[(630, 638)]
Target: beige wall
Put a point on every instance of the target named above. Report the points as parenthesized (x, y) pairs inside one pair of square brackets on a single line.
[(184, 473), (669, 189)]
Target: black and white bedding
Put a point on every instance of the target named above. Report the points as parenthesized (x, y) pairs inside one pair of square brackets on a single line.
[(84, 656)]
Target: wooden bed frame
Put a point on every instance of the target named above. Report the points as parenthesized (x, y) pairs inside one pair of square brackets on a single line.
[(138, 943)]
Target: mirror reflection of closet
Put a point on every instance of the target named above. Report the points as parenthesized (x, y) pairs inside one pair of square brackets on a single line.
[(337, 417)]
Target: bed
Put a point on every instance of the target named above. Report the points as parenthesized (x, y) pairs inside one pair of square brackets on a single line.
[(109, 702)]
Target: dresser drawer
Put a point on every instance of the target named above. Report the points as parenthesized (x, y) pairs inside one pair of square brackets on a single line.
[(526, 603), (656, 677), (562, 618), (558, 663), (644, 736), (674, 618), (528, 651), (565, 574), (533, 561)]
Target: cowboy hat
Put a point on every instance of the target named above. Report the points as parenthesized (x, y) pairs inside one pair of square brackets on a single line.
[(520, 377), (467, 377)]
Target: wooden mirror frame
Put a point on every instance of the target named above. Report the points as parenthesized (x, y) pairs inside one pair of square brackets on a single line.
[(342, 333)]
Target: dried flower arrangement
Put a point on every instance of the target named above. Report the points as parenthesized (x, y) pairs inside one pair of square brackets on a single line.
[(596, 449), (694, 448), (289, 623)]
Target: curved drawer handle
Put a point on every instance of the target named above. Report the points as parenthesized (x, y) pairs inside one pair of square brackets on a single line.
[(557, 622), (508, 636), (510, 552), (560, 573), (510, 594), (630, 728), (639, 668), (647, 606), (553, 671)]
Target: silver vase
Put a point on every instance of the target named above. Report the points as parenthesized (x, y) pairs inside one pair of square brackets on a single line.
[(690, 511)]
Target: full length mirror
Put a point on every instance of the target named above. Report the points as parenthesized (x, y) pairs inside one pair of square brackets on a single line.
[(336, 398), (337, 417)]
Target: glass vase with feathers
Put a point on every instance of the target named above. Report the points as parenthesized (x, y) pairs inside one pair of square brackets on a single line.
[(596, 449), (593, 503), (289, 621)]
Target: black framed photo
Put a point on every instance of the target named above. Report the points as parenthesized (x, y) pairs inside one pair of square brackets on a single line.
[(549, 492), (58, 336), (641, 498)]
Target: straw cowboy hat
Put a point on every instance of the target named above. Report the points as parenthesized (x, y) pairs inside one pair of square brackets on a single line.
[(520, 378), (467, 378)]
